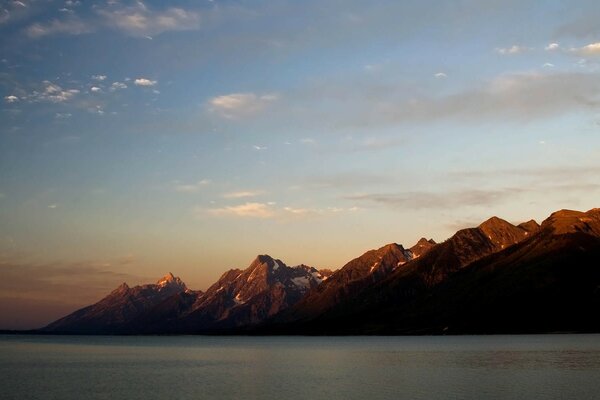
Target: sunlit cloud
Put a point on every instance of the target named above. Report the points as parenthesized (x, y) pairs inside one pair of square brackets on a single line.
[(99, 78), (11, 99), (246, 210), (51, 92), (144, 82), (242, 194), (552, 47), (592, 49), (237, 105), (269, 210), (440, 75)]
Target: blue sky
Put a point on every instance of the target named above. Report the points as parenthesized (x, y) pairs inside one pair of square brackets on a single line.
[(138, 138)]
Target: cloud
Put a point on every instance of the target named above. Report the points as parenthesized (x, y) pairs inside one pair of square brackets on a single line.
[(144, 82), (270, 211), (237, 105), (71, 26), (509, 97), (590, 50), (440, 75), (552, 47), (140, 20), (95, 89), (117, 86), (563, 173), (53, 93), (352, 179), (11, 99), (514, 49), (434, 200), (192, 188), (99, 78), (246, 210), (242, 194)]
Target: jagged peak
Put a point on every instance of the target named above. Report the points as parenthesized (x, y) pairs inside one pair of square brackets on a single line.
[(390, 247), (264, 258), (121, 289), (169, 277), (425, 242), (170, 280)]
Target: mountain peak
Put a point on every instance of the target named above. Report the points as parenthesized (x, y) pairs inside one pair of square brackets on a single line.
[(263, 258), (530, 226), (422, 246), (570, 221), (171, 280), (494, 222)]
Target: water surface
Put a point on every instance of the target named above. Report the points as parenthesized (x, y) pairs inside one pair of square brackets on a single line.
[(197, 367)]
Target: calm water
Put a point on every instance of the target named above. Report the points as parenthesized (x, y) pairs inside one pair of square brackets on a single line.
[(187, 367)]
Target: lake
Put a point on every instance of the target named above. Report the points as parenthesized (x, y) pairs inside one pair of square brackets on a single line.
[(198, 367)]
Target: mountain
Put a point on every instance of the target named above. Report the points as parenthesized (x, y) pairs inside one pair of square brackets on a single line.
[(353, 277), (495, 278), (239, 297), (114, 313), (247, 297)]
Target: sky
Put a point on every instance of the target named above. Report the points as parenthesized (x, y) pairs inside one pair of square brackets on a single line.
[(138, 138)]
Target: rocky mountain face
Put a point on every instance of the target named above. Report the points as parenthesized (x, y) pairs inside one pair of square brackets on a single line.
[(239, 297), (115, 312), (247, 297), (493, 278), (353, 277)]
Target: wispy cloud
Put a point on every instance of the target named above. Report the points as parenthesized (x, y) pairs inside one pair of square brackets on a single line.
[(431, 200), (141, 20), (117, 86), (193, 187), (242, 194), (514, 49), (270, 210), (52, 92), (237, 105), (246, 210), (590, 50), (11, 99), (70, 26), (514, 96)]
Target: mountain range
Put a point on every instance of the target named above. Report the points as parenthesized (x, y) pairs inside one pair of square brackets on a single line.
[(493, 278)]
